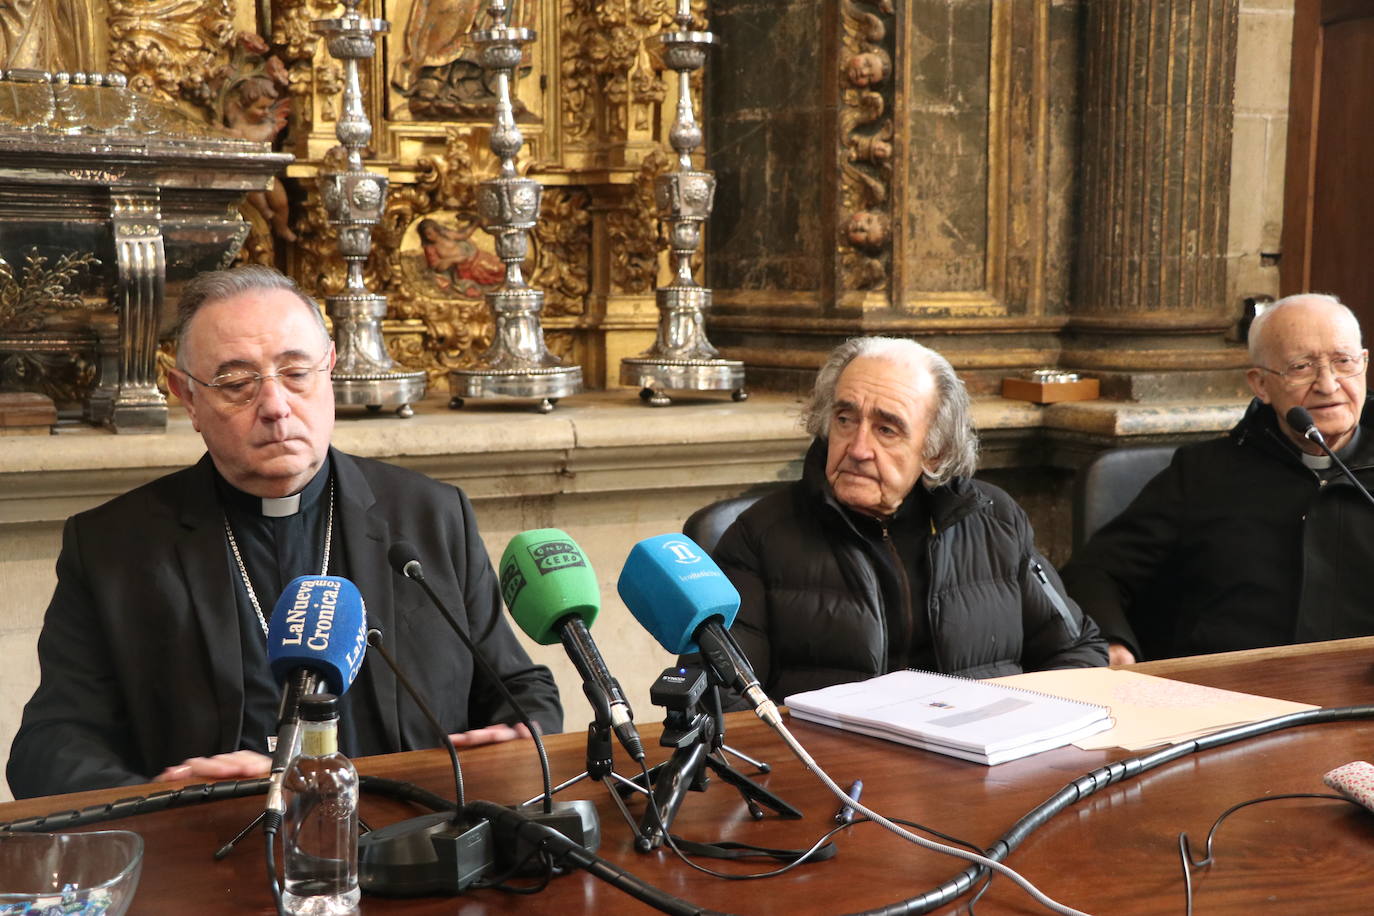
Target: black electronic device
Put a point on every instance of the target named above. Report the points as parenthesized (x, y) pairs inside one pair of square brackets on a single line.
[(694, 727)]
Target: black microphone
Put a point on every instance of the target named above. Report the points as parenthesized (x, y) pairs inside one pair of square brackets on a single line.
[(440, 853), (404, 558), (1305, 426), (577, 820)]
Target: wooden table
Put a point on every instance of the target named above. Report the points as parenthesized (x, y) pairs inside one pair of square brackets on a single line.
[(1113, 853)]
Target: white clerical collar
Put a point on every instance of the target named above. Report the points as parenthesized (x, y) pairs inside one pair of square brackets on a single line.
[(281, 507), (1315, 462)]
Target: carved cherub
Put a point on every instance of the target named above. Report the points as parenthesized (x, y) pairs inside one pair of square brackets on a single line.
[(875, 148), (868, 68), (256, 109), (868, 230)]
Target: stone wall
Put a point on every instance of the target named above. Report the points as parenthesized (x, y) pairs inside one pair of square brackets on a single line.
[(1086, 184)]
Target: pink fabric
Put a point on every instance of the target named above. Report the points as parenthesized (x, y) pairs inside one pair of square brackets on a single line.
[(1355, 781)]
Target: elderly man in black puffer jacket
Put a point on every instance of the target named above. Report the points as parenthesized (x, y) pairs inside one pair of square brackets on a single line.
[(886, 554)]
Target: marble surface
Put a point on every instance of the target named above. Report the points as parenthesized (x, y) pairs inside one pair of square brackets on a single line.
[(591, 421)]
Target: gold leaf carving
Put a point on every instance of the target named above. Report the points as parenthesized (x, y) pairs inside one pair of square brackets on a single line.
[(633, 231), (297, 44), (564, 245), (866, 145), (607, 63), (456, 329), (167, 48), (320, 269), (39, 292), (562, 344)]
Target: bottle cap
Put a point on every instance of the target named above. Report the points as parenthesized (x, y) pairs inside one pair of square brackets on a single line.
[(319, 707)]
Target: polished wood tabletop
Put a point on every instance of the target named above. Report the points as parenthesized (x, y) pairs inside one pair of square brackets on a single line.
[(1115, 852)]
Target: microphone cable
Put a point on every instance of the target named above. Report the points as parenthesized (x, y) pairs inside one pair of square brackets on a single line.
[(139, 804), (983, 861), (564, 849), (1185, 849), (808, 856), (1095, 781)]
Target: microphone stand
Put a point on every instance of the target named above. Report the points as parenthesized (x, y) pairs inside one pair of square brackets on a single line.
[(698, 737), (288, 742), (600, 759)]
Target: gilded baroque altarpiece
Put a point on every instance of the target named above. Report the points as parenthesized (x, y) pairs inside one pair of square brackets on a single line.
[(592, 101)]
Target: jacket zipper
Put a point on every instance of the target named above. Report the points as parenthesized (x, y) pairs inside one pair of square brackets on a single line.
[(907, 619), (1071, 624)]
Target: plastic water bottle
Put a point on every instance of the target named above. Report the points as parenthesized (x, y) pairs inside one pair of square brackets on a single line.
[(320, 830)]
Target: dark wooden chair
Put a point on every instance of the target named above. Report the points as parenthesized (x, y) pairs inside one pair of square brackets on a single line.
[(1109, 482)]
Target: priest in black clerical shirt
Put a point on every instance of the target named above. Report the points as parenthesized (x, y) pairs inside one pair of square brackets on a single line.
[(153, 660)]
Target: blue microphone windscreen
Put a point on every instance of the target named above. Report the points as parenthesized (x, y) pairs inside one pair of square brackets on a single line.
[(672, 587), (320, 623)]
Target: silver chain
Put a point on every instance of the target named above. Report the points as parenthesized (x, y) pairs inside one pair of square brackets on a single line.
[(243, 570)]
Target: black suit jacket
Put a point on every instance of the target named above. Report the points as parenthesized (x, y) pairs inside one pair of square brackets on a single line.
[(139, 654)]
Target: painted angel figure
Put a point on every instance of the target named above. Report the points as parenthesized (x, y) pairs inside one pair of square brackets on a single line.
[(456, 261)]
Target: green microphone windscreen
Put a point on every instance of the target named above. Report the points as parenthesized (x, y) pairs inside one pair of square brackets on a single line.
[(546, 577)]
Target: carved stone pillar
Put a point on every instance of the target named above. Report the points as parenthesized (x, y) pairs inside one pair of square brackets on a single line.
[(1157, 108)]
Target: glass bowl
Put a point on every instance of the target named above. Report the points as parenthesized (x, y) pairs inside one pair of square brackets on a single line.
[(69, 874)]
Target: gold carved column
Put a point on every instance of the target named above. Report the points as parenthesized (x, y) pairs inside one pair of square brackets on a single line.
[(1157, 110)]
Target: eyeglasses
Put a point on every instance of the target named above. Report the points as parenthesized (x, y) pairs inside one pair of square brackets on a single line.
[(236, 389), (1305, 372)]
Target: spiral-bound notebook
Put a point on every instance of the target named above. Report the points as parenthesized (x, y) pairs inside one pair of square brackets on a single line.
[(975, 720)]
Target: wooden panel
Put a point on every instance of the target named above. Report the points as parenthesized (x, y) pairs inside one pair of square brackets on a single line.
[(1343, 177), (1329, 180)]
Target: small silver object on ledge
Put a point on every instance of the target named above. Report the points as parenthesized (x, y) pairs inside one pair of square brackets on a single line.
[(1048, 376)]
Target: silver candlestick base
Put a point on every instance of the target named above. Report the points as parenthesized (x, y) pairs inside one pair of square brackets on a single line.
[(365, 380), (681, 357)]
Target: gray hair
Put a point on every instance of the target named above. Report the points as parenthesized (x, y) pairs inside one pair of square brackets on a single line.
[(1254, 337), (217, 285), (951, 447)]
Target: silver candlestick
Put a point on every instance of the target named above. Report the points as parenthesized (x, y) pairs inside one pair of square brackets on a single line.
[(517, 364), (681, 357), (354, 198)]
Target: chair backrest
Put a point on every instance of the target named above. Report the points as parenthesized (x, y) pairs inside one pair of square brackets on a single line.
[(707, 524), (1109, 482)]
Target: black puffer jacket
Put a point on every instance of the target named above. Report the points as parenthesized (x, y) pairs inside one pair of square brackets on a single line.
[(813, 587), (1236, 545)]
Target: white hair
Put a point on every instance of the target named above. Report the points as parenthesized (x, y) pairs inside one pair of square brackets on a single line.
[(951, 447), (1255, 337)]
